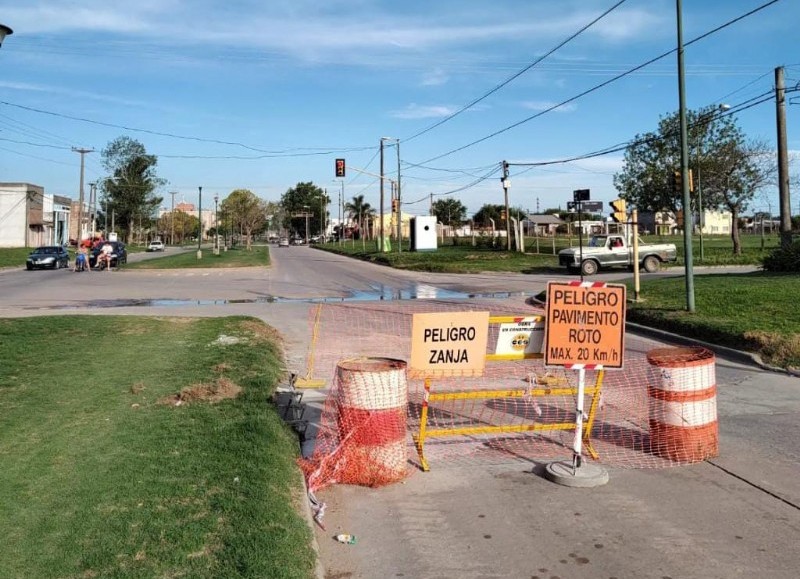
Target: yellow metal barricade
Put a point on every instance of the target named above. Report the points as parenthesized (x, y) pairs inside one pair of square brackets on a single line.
[(541, 387)]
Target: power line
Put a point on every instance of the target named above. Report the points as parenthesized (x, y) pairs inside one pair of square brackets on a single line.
[(605, 83), (517, 74), (329, 150)]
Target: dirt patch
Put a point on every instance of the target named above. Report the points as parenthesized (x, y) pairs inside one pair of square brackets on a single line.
[(137, 388), (261, 331), (779, 349), (221, 389)]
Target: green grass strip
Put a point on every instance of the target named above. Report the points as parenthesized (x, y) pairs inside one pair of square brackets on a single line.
[(238, 257), (101, 475)]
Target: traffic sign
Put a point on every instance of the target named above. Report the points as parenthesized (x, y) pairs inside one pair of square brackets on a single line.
[(580, 195), (447, 344), (585, 206), (590, 206), (585, 325)]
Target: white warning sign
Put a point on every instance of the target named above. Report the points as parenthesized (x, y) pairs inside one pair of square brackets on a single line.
[(520, 337)]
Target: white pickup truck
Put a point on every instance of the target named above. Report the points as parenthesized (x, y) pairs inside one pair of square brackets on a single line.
[(613, 250)]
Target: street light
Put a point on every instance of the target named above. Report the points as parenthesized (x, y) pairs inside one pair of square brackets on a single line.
[(703, 120), (216, 225)]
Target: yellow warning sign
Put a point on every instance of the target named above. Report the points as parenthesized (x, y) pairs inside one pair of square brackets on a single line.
[(449, 344), (585, 325)]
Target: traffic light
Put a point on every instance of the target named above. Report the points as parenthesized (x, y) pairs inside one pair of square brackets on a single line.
[(691, 182), (340, 167), (677, 182), (620, 214), (503, 215), (395, 205)]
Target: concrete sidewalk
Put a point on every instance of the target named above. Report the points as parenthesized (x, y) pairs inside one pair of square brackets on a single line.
[(736, 515)]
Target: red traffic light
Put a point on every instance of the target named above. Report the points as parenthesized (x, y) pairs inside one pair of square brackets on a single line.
[(340, 167)]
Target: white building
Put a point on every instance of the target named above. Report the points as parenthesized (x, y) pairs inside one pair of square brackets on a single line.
[(29, 217)]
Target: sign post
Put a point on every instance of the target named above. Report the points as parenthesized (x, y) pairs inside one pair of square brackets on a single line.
[(585, 331)]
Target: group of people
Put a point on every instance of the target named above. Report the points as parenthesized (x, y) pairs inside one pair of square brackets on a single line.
[(103, 256)]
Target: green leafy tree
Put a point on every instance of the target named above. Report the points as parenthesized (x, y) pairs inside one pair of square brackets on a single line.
[(183, 224), (129, 191), (247, 212), (729, 169), (301, 199), (489, 211), (449, 211)]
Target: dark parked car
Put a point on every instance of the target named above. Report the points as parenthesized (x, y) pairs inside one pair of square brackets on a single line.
[(50, 256), (119, 255)]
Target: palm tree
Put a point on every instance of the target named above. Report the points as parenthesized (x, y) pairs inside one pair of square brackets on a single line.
[(359, 211)]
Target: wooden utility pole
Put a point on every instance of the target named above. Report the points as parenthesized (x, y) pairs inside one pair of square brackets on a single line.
[(783, 159), (80, 194)]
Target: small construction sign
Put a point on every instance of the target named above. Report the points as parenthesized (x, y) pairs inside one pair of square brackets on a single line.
[(520, 337), (585, 325), (449, 344)]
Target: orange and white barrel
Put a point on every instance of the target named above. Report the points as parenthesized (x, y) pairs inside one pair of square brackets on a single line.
[(372, 399), (683, 404)]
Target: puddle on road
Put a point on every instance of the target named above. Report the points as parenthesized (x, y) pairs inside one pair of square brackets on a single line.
[(377, 293)]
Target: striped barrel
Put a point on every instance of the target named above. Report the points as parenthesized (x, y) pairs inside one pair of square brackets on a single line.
[(683, 404), (372, 401)]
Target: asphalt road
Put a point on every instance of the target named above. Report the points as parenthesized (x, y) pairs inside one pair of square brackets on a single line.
[(735, 516)]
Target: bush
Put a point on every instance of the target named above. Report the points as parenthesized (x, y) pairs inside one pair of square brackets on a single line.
[(784, 259)]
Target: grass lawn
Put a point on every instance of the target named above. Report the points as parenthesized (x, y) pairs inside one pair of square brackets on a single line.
[(463, 257), (102, 474), (757, 312), (448, 258), (238, 257)]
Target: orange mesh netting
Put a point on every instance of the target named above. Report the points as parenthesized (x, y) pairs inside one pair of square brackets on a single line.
[(659, 410)]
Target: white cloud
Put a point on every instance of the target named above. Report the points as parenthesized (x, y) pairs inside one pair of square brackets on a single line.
[(414, 111), (361, 32), (435, 77), (546, 105)]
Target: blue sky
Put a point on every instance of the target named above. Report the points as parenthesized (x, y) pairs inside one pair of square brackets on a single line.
[(265, 94)]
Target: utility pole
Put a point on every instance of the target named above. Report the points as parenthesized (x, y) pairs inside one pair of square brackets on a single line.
[(399, 210), (783, 159), (687, 200), (200, 219), (431, 207), (80, 198), (506, 184), (93, 204), (172, 219), (380, 233)]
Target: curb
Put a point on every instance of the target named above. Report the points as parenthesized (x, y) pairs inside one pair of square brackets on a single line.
[(319, 572)]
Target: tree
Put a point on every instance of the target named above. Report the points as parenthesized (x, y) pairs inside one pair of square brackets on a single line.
[(183, 224), (449, 211), (247, 212), (301, 199), (744, 169), (130, 190), (361, 212), (489, 211), (728, 169)]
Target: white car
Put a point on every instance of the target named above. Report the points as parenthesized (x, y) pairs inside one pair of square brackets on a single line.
[(156, 246)]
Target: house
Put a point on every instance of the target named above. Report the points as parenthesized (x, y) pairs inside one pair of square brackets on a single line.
[(542, 225), (30, 217)]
